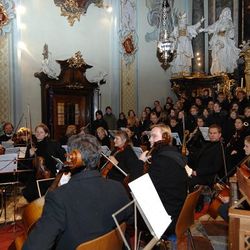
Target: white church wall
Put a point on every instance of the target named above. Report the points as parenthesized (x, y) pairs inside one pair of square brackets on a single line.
[(44, 24), (95, 36)]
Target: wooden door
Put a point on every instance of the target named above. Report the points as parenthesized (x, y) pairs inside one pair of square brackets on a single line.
[(68, 110)]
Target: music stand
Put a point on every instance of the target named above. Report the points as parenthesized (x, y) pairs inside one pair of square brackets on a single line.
[(43, 186), (148, 202), (8, 164)]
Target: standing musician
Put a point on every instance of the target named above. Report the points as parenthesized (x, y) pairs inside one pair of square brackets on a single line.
[(125, 158), (82, 209), (42, 150), (167, 171)]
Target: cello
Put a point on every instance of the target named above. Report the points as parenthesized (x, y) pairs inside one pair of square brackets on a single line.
[(33, 211)]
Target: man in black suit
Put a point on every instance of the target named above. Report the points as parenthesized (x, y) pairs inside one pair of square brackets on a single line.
[(82, 209), (208, 161)]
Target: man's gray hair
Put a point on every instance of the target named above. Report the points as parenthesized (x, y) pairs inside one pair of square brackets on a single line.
[(89, 147)]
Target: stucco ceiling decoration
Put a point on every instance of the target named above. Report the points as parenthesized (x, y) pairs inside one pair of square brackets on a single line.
[(6, 15), (73, 9)]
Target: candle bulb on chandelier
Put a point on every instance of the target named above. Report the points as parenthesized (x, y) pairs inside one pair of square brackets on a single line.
[(241, 82)]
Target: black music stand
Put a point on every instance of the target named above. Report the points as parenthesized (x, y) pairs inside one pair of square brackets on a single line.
[(8, 165)]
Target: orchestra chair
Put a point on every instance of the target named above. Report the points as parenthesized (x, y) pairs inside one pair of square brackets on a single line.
[(108, 241), (186, 220), (30, 216)]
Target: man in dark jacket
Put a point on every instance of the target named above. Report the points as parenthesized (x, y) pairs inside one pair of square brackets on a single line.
[(167, 171), (82, 209), (208, 161)]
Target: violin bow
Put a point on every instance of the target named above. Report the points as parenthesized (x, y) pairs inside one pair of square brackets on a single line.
[(124, 173)]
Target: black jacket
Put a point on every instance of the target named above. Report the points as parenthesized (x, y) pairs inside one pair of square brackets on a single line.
[(169, 177), (78, 211), (129, 163)]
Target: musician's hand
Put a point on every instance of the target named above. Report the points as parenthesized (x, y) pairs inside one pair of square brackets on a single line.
[(194, 173), (113, 160), (233, 152), (32, 151)]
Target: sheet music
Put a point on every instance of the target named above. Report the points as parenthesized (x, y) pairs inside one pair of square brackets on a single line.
[(204, 132), (105, 150), (8, 163), (176, 136), (150, 205), (138, 151), (22, 152)]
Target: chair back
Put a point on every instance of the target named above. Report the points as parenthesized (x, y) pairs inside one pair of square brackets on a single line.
[(108, 241), (186, 217)]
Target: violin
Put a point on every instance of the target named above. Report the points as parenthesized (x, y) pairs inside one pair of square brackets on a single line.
[(107, 167)]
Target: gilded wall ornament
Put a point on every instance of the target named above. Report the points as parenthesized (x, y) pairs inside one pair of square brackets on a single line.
[(6, 15), (76, 61), (73, 9)]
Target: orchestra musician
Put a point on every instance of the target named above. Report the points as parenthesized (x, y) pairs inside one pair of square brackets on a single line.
[(125, 158), (41, 150), (167, 171), (223, 209), (208, 161), (81, 210), (8, 130), (234, 149)]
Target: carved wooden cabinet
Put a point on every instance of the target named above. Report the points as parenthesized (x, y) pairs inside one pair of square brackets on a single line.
[(70, 99)]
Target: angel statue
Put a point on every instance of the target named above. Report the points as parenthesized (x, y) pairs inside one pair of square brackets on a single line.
[(46, 63), (183, 34), (224, 52)]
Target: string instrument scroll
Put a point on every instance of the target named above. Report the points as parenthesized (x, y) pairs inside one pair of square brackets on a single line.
[(74, 161)]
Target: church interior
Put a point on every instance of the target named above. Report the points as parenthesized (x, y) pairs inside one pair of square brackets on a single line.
[(77, 67)]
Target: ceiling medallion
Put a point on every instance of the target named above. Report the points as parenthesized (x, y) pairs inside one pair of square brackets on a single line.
[(73, 9), (6, 14), (76, 61)]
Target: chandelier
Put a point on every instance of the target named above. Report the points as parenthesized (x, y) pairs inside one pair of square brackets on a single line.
[(166, 43)]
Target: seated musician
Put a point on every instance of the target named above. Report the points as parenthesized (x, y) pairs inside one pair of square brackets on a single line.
[(208, 161), (42, 150), (125, 158), (82, 209), (223, 209), (167, 171), (8, 130)]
